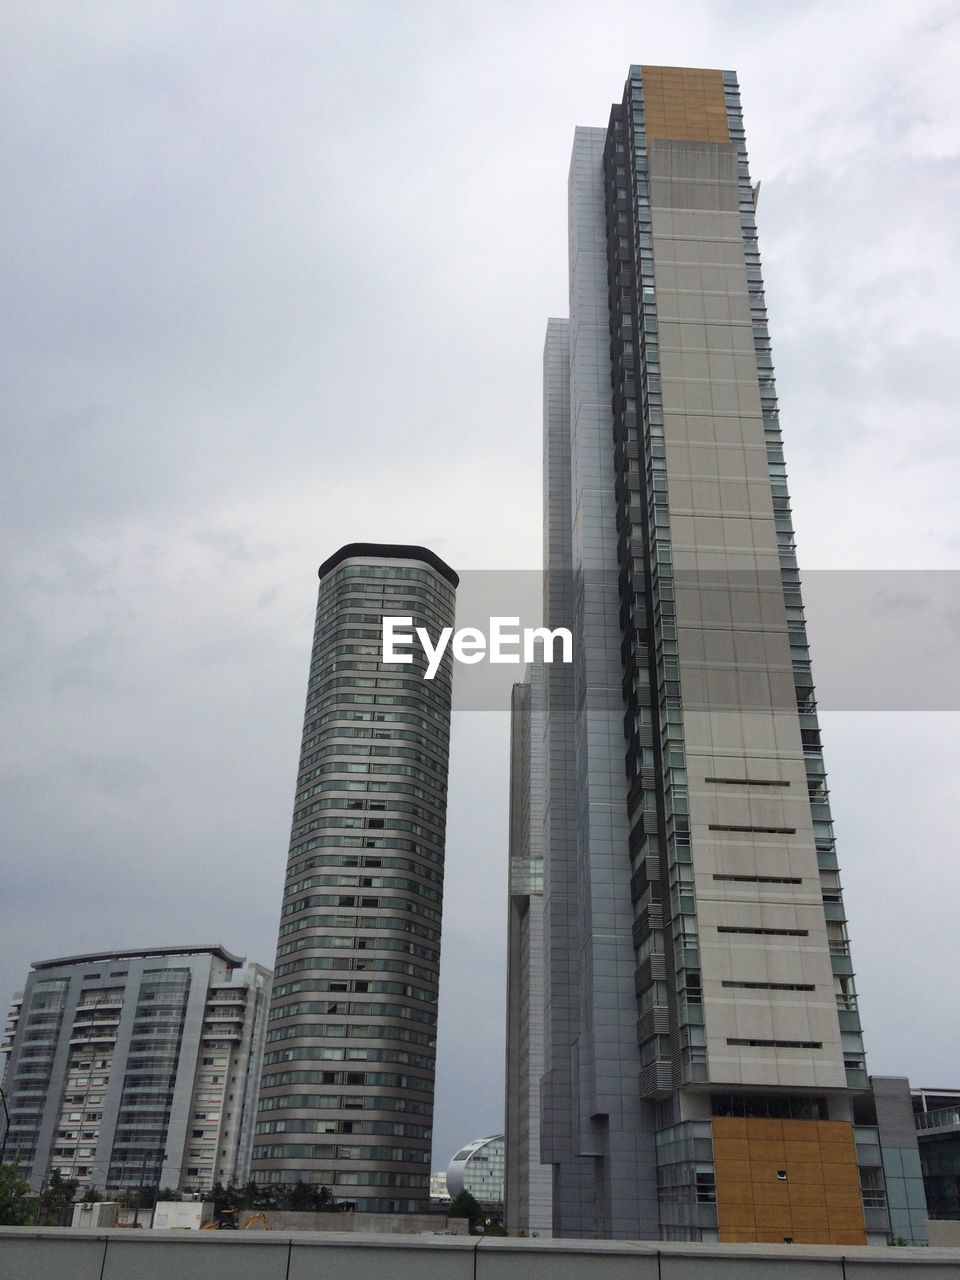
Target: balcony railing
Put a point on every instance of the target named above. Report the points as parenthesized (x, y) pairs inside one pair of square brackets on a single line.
[(938, 1119), (874, 1199)]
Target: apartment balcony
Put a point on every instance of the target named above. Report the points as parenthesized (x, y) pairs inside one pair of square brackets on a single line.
[(945, 1118), (106, 1036), (842, 965), (656, 1080)]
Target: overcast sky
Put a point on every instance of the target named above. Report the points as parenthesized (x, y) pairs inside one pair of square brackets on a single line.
[(275, 277)]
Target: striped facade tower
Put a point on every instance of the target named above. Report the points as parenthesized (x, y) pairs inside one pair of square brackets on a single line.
[(346, 1099)]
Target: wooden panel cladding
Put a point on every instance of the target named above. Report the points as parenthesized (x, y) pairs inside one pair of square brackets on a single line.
[(816, 1202), (684, 104)]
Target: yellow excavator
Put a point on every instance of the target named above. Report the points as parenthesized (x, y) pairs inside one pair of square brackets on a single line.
[(260, 1218), (229, 1221)]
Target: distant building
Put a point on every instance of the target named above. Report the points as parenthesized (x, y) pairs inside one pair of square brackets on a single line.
[(937, 1117), (478, 1169), (136, 1068), (439, 1195)]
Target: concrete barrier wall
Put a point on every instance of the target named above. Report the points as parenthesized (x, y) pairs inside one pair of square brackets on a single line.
[(406, 1224), (28, 1253), (944, 1233)]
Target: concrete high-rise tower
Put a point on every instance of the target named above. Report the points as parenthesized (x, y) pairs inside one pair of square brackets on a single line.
[(702, 1056), (134, 1070), (346, 1098)]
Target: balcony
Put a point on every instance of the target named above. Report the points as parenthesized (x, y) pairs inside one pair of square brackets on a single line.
[(867, 1138), (874, 1199), (656, 1080), (944, 1118), (653, 1021), (105, 1035), (842, 965)]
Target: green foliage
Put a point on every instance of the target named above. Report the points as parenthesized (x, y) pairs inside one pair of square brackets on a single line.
[(56, 1197), (222, 1197), (308, 1197), (60, 1190), (465, 1206), (15, 1209), (304, 1197), (301, 1196)]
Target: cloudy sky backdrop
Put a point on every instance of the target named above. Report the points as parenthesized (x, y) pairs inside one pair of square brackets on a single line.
[(275, 277)]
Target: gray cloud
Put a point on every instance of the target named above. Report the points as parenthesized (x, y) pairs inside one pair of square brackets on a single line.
[(278, 279)]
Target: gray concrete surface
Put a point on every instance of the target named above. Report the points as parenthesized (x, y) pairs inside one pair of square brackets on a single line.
[(29, 1253)]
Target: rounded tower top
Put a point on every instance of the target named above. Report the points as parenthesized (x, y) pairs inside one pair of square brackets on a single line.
[(389, 551)]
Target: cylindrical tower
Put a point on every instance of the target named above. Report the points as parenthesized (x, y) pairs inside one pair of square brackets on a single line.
[(346, 1097)]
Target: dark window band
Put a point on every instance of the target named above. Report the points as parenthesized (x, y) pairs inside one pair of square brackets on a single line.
[(777, 933), (779, 1044), (772, 986), (767, 831), (748, 782), (762, 879)]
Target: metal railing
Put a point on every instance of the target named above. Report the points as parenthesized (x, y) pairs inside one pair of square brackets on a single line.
[(938, 1119)]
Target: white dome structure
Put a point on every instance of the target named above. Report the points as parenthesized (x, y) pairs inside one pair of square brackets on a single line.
[(478, 1168)]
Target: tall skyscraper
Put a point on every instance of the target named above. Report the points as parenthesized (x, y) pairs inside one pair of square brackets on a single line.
[(135, 1069), (347, 1089), (702, 1048)]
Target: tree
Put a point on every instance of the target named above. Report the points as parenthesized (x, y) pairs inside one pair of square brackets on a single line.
[(248, 1196), (300, 1196), (56, 1197), (61, 1190), (14, 1209), (305, 1197), (466, 1207), (271, 1196)]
